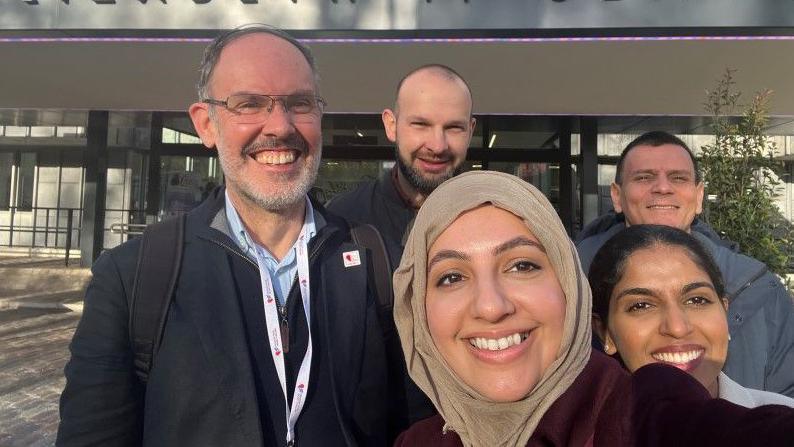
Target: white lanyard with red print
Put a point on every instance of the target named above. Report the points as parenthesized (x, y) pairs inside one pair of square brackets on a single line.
[(275, 335)]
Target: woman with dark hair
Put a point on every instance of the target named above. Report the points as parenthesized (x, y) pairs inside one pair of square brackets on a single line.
[(494, 316), (658, 297)]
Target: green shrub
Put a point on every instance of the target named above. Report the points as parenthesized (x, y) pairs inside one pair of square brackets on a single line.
[(742, 177)]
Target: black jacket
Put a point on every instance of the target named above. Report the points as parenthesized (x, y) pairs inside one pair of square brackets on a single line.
[(213, 381), (377, 202)]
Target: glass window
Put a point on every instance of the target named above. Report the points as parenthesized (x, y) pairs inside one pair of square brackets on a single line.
[(26, 181), (544, 176), (185, 181), (353, 130), (6, 167), (522, 132), (47, 187), (129, 129), (72, 179), (337, 176)]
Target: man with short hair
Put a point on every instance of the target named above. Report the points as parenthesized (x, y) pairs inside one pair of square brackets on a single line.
[(272, 336), (657, 182), (431, 126)]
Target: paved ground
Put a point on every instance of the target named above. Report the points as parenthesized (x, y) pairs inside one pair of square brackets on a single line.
[(33, 352)]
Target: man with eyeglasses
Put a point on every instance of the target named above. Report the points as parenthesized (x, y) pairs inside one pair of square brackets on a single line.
[(272, 335)]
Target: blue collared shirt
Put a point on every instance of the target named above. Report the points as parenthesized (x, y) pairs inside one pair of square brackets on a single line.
[(282, 274)]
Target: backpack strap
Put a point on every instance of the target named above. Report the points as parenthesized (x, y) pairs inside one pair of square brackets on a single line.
[(367, 236), (156, 274)]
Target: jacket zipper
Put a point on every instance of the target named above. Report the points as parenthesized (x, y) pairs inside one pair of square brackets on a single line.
[(282, 308)]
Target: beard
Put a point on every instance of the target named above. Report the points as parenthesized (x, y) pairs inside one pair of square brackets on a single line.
[(284, 189), (424, 184)]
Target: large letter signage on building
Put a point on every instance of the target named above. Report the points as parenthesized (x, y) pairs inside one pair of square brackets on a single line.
[(392, 15)]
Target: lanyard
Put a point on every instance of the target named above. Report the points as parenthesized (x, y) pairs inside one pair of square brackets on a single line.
[(275, 335)]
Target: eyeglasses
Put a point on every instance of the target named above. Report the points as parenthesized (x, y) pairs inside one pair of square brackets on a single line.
[(255, 109)]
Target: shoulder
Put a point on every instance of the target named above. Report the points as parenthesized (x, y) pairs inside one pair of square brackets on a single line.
[(738, 270), (748, 397), (353, 200), (428, 431), (118, 263), (724, 256), (588, 247), (747, 277)]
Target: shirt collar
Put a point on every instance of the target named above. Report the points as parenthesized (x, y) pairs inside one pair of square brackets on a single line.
[(244, 240), (407, 201)]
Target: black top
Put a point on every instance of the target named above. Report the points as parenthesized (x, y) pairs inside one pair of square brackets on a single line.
[(377, 202)]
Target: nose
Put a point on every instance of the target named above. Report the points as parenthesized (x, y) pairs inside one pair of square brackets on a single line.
[(437, 140), (492, 302), (675, 322), (662, 185), (279, 121)]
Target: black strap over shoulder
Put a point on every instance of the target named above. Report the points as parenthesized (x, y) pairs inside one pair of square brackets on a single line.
[(367, 236), (156, 274)]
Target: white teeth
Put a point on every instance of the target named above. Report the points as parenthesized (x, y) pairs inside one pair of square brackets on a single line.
[(498, 344), (275, 157), (677, 357)]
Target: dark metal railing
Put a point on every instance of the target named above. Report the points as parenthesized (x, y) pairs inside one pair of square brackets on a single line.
[(46, 227), (127, 223)]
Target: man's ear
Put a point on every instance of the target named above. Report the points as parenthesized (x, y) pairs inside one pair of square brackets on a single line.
[(615, 192), (602, 332), (203, 123), (700, 192), (389, 118)]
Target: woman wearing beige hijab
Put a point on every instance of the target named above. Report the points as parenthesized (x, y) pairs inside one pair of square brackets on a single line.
[(493, 313)]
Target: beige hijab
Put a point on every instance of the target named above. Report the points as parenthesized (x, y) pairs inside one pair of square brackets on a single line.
[(478, 421)]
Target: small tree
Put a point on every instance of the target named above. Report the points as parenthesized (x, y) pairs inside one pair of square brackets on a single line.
[(742, 177)]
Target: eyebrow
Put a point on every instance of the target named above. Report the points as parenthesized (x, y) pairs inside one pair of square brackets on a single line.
[(517, 242), (648, 292), (656, 172), (457, 123), (635, 291), (696, 285), (298, 92), (446, 254), (423, 119), (501, 248)]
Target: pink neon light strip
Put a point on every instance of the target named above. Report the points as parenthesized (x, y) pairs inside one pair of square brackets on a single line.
[(399, 41)]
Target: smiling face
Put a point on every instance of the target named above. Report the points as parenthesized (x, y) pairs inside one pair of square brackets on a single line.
[(665, 309), (495, 308), (271, 164), (658, 186), (432, 128)]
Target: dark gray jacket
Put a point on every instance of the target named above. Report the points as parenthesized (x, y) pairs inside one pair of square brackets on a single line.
[(377, 202), (760, 315), (213, 382)]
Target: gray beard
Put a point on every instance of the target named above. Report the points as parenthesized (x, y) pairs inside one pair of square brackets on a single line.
[(287, 198), (282, 199)]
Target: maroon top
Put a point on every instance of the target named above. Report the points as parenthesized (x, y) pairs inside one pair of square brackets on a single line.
[(670, 408)]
